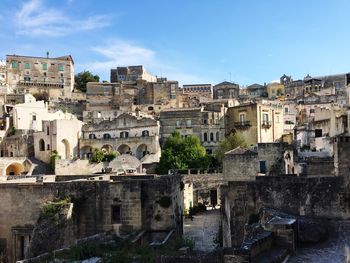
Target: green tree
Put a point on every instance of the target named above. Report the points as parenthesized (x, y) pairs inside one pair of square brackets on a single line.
[(229, 143), (182, 153), (97, 156), (54, 156), (84, 77)]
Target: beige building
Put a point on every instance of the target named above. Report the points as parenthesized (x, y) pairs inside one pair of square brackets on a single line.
[(275, 90), (226, 90), (29, 116), (131, 74), (37, 75), (2, 73), (258, 122), (205, 123), (57, 135), (127, 134)]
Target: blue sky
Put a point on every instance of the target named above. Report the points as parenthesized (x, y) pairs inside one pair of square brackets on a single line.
[(202, 41)]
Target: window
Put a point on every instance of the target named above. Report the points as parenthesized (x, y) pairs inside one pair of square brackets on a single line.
[(145, 133), (188, 123), (14, 64), (211, 137), (242, 118), (217, 136), (318, 133), (92, 136), (205, 137), (178, 124), (27, 66), (124, 134), (286, 109), (116, 214), (61, 67), (263, 167), (312, 110), (106, 136), (48, 147), (26, 78), (41, 145), (44, 66), (34, 117), (265, 118), (48, 130)]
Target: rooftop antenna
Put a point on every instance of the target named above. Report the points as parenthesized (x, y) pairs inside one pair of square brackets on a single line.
[(47, 54)]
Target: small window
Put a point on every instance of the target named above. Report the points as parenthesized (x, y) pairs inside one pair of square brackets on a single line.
[(124, 134), (205, 137), (211, 137), (145, 133), (48, 147), (14, 64), (41, 145), (106, 136), (48, 130), (34, 117), (318, 133), (44, 66), (286, 110), (92, 136), (178, 124), (116, 214), (312, 110), (217, 136), (27, 66), (242, 118), (188, 123)]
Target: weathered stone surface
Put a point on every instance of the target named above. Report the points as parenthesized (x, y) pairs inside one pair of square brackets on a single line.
[(311, 231)]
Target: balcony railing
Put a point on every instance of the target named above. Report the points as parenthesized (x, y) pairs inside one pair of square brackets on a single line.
[(242, 124), (266, 124)]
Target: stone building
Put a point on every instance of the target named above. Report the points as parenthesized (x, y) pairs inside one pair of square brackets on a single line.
[(256, 121), (99, 96), (127, 134), (207, 124), (57, 135), (29, 116), (194, 94), (275, 90), (112, 204), (255, 91), (131, 74), (260, 160), (3, 73), (226, 90), (53, 76)]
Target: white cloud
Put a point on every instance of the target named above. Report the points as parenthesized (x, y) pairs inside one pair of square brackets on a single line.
[(36, 19), (125, 53)]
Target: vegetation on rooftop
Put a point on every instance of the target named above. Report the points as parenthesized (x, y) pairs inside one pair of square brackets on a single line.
[(231, 142)]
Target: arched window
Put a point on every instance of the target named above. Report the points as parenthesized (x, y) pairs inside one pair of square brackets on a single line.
[(106, 136), (41, 145), (92, 136), (124, 134), (145, 133), (211, 137), (205, 137), (217, 136)]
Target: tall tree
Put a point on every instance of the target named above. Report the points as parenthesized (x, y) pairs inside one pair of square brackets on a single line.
[(84, 77), (229, 143), (182, 153)]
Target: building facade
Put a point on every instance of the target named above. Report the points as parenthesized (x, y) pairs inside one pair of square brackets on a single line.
[(54, 76), (131, 74), (127, 134), (258, 121), (226, 90), (207, 125)]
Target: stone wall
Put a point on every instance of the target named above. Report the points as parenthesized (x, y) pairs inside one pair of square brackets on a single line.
[(94, 204), (324, 197)]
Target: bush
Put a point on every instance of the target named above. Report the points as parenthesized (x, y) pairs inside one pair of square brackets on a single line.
[(97, 156), (110, 156)]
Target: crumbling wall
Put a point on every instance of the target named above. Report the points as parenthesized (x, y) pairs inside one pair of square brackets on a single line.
[(324, 197)]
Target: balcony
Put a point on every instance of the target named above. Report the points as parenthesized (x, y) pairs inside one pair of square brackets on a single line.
[(242, 125), (266, 124)]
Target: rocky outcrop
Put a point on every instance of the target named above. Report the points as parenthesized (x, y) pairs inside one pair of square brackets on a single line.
[(53, 229)]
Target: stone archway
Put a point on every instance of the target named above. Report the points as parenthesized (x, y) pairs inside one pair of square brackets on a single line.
[(124, 149), (142, 151), (107, 148), (86, 152), (14, 169), (66, 149)]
